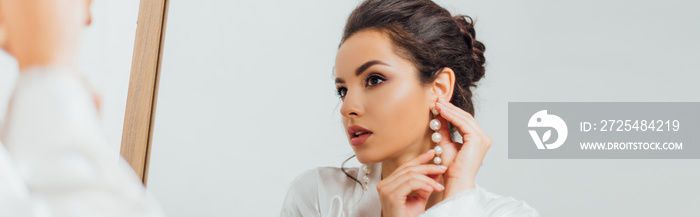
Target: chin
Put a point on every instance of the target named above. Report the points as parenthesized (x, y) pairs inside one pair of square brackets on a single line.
[(367, 157), (364, 160)]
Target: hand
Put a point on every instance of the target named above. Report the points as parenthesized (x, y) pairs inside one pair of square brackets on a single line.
[(463, 159), (406, 191)]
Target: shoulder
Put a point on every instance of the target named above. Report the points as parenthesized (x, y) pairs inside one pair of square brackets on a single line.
[(480, 202), (497, 205), (313, 179), (311, 188)]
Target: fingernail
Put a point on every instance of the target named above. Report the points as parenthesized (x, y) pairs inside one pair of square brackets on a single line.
[(442, 167), (440, 186)]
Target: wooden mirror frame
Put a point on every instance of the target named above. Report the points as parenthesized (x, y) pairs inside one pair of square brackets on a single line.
[(143, 85)]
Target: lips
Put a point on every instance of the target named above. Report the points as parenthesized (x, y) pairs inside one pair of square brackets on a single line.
[(358, 135)]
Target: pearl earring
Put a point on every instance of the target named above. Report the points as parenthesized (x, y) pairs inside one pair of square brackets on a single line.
[(435, 126), (365, 180)]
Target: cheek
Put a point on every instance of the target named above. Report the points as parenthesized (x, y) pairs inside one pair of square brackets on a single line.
[(345, 126), (401, 113)]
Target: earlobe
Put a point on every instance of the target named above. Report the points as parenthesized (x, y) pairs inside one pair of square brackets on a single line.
[(443, 86)]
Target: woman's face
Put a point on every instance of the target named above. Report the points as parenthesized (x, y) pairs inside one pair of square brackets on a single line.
[(55, 30), (385, 108)]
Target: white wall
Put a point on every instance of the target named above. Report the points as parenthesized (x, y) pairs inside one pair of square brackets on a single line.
[(104, 57), (246, 100)]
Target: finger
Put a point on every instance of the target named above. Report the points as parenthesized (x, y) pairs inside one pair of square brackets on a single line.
[(444, 130), (423, 169), (458, 119), (472, 134), (452, 107), (449, 148), (470, 130), (421, 159), (430, 170), (459, 112), (414, 181)]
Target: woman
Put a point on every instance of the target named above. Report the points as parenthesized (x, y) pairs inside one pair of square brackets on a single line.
[(404, 71), (54, 160)]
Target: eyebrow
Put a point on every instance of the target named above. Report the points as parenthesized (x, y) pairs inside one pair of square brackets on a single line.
[(362, 69)]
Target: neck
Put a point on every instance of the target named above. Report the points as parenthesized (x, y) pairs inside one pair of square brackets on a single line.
[(66, 63), (408, 154)]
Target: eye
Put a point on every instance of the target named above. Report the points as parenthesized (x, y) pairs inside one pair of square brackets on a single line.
[(374, 79), (341, 92)]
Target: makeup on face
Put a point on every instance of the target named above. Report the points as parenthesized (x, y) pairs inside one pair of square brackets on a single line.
[(358, 135), (383, 101)]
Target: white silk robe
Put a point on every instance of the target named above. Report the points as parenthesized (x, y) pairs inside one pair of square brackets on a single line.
[(328, 192), (54, 161)]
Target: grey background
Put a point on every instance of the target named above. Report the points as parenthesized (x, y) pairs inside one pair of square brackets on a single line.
[(246, 100), (522, 146)]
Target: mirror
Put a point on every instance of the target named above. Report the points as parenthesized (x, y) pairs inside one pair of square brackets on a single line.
[(246, 100), (104, 58)]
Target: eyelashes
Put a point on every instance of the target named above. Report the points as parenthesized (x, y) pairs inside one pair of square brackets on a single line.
[(371, 80), (374, 79), (341, 92)]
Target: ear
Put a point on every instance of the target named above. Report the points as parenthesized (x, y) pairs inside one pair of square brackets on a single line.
[(88, 14), (444, 84)]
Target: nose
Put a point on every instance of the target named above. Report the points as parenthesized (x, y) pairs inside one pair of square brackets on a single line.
[(351, 106)]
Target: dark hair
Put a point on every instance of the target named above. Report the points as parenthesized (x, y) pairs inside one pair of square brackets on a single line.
[(430, 37)]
